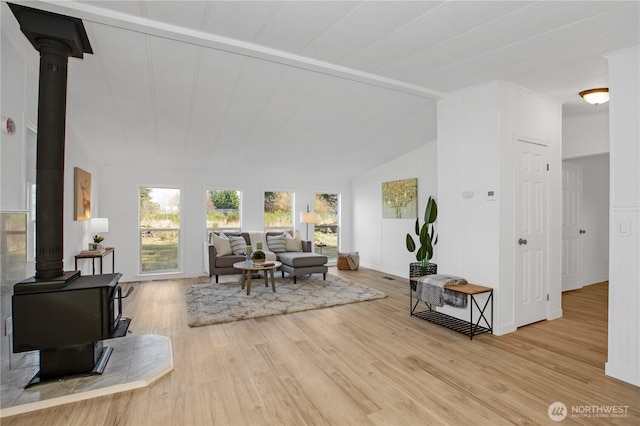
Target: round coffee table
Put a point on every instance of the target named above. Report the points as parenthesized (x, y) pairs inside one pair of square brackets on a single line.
[(248, 267)]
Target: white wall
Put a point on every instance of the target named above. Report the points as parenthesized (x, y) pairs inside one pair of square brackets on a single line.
[(77, 234), (19, 101), (585, 134), (118, 197), (477, 130), (381, 242), (624, 244), (594, 219)]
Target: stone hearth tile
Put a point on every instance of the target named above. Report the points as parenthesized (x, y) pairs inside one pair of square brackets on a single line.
[(136, 361)]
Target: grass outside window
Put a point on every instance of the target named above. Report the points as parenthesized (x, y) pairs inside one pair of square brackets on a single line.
[(159, 250)]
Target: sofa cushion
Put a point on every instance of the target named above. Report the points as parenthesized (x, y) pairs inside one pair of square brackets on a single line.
[(302, 259), (276, 243), (222, 245), (293, 243), (238, 245), (229, 234), (228, 261)]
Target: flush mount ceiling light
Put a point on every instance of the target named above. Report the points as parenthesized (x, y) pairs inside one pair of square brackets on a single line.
[(595, 96)]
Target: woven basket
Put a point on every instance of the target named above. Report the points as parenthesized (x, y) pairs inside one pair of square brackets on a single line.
[(343, 264)]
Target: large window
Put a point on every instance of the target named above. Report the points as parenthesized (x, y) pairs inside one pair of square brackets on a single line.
[(223, 211), (159, 230), (278, 211), (327, 231)]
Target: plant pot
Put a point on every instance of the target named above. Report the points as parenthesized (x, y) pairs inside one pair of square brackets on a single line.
[(258, 260), (417, 270)]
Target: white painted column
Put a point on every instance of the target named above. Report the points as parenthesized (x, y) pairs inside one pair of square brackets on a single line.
[(624, 240)]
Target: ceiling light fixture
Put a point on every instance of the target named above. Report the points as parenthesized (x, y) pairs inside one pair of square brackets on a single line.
[(595, 96)]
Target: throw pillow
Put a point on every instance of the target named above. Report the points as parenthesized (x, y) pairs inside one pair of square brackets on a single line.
[(293, 243), (222, 245), (238, 245), (276, 243)]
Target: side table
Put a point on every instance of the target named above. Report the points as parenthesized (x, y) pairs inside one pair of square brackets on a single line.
[(248, 267), (93, 255)]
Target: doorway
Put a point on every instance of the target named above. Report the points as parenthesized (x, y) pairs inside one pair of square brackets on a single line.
[(592, 262)]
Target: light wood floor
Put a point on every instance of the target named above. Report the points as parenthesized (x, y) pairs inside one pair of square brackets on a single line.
[(363, 363)]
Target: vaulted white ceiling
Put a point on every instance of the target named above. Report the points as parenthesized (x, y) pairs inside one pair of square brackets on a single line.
[(207, 86)]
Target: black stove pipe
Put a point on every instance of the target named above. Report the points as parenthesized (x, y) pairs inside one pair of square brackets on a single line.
[(56, 37), (52, 104)]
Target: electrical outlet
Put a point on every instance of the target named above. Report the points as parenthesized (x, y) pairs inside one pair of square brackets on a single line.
[(8, 326)]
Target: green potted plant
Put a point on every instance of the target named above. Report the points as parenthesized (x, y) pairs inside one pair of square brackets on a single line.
[(96, 246), (258, 256), (427, 238)]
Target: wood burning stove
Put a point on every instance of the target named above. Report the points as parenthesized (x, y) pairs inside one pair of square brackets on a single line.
[(68, 323), (62, 314)]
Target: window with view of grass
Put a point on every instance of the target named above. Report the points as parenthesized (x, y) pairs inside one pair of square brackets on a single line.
[(223, 211), (159, 230), (278, 211), (327, 232)]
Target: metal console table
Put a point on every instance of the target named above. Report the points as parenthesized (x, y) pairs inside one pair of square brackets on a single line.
[(468, 328)]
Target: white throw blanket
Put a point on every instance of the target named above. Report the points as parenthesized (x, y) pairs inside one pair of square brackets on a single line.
[(430, 288), (261, 237), (353, 259)]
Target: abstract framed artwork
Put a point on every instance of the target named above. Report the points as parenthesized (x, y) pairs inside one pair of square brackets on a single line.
[(82, 194), (400, 199)]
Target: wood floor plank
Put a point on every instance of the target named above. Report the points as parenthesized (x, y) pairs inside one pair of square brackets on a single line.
[(367, 363)]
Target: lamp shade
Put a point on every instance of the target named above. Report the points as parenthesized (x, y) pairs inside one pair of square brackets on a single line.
[(308, 217), (99, 224), (595, 96)]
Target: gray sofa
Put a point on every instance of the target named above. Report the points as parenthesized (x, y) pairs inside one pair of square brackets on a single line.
[(294, 263)]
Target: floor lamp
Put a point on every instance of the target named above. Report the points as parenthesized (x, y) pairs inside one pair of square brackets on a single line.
[(308, 218)]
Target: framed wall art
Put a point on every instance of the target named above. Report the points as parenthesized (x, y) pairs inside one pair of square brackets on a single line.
[(400, 199), (82, 194)]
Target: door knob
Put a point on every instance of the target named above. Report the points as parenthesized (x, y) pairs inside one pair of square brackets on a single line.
[(522, 241), (582, 231)]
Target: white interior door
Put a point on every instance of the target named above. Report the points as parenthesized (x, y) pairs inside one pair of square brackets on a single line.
[(571, 204), (531, 238)]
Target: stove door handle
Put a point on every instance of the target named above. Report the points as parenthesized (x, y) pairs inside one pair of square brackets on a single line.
[(129, 291)]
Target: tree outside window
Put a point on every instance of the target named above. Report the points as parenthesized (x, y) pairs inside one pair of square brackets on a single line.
[(223, 211)]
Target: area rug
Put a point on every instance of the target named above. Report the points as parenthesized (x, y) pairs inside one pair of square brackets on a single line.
[(225, 302)]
